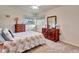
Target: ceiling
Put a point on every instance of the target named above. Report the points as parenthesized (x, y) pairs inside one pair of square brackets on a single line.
[(30, 12)]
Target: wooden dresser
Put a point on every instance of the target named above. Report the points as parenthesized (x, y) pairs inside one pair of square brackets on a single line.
[(51, 34), (19, 27), (52, 31)]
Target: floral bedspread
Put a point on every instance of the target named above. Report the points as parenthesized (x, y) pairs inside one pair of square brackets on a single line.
[(22, 44)]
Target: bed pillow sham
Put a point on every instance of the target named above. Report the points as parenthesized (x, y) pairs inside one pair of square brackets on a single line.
[(1, 38), (6, 35)]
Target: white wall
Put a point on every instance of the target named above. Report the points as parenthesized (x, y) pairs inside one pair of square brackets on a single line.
[(68, 19), (9, 22)]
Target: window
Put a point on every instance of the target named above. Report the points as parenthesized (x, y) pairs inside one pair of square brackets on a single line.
[(40, 24), (30, 24), (29, 21), (34, 24)]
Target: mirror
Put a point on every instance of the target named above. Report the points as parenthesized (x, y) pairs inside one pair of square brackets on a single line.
[(51, 21)]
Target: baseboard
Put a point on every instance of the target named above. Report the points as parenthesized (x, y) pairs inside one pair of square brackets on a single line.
[(68, 42)]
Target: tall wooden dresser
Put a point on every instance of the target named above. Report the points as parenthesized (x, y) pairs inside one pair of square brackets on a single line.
[(19, 27)]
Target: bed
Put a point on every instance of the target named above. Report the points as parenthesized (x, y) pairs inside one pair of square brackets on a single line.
[(23, 41)]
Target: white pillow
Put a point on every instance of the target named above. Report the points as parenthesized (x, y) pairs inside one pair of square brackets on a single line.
[(6, 34), (1, 38)]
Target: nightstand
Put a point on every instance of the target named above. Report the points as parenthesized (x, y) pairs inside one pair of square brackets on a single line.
[(1, 47)]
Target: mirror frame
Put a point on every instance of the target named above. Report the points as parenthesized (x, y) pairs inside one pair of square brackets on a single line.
[(51, 17)]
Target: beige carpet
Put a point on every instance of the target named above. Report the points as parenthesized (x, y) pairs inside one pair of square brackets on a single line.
[(55, 47)]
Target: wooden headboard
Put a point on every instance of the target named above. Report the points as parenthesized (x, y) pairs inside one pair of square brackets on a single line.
[(19, 27)]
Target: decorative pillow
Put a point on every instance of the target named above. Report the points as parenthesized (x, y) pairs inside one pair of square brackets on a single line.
[(11, 33), (6, 35)]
